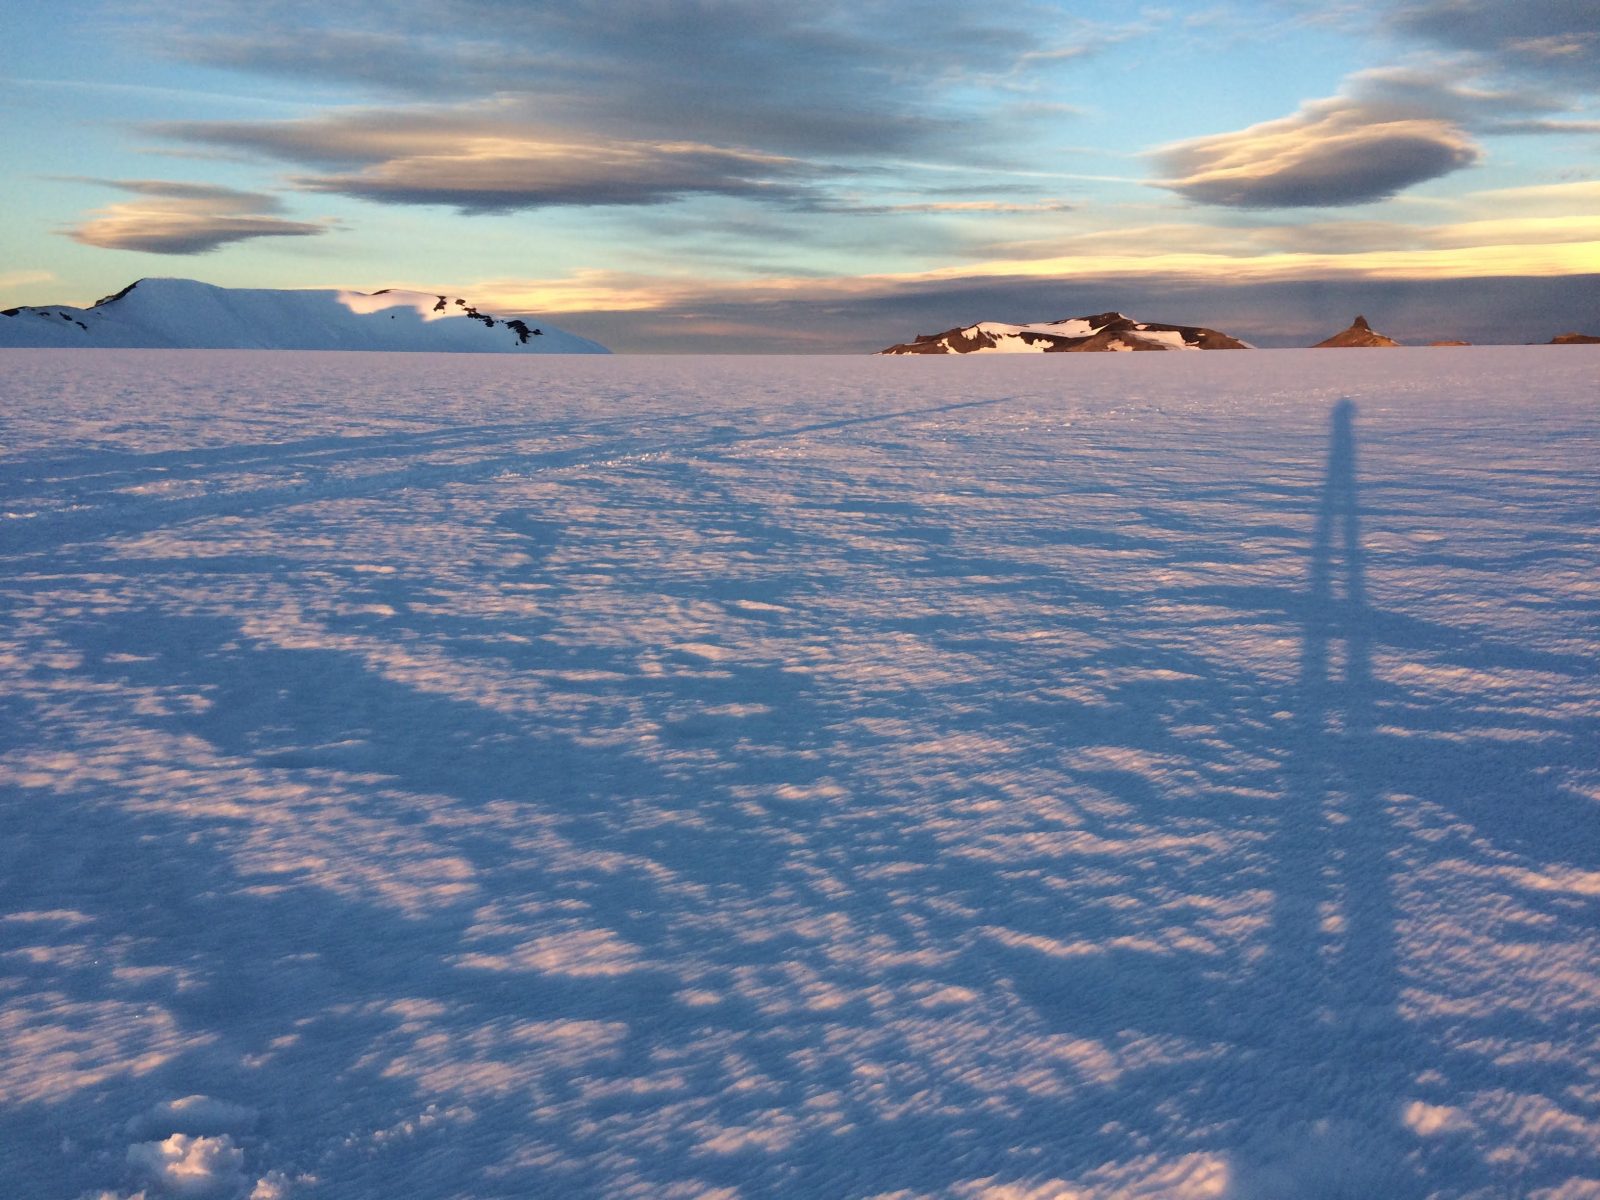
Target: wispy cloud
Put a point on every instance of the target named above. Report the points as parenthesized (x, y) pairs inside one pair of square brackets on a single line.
[(952, 207), (185, 218), (831, 77), (10, 279), (1553, 41)]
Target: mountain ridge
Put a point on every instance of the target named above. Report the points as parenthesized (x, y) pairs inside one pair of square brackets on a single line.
[(1108, 331)]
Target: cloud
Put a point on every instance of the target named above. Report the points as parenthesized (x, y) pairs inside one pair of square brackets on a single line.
[(486, 159), (1538, 125), (10, 279), (831, 77), (1388, 129), (1551, 199), (1549, 40), (185, 218), (951, 207), (1328, 154)]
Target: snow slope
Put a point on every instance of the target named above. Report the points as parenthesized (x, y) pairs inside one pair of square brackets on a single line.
[(183, 313), (1122, 776)]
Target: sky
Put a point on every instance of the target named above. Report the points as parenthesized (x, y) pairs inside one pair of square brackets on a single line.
[(734, 176)]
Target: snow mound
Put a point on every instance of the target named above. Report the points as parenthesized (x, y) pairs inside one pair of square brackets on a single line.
[(184, 314)]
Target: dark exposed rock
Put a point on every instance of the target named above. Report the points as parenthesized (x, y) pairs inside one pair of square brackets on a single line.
[(115, 296), (1108, 331), (1360, 335)]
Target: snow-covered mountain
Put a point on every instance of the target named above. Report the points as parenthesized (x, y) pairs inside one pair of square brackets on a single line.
[(187, 314), (1103, 331), (1359, 336)]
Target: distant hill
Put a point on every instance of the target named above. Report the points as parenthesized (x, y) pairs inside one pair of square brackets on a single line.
[(1112, 331), (1575, 339), (1360, 335), (186, 314)]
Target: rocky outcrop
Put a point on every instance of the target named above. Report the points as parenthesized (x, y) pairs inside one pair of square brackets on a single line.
[(1575, 339), (1360, 335), (1109, 331)]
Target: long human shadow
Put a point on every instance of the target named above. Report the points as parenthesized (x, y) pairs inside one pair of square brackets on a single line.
[(1329, 1069), (1307, 1103)]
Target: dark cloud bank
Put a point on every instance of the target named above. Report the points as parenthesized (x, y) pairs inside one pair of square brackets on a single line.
[(1484, 311), (820, 79), (1554, 41)]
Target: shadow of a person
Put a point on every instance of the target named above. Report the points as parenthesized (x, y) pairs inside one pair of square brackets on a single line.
[(1331, 1069)]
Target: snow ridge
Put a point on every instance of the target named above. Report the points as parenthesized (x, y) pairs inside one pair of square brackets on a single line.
[(188, 314)]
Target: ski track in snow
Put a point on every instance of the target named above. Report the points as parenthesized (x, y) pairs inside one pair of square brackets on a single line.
[(1146, 775)]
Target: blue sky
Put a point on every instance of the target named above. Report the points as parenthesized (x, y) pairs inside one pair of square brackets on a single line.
[(728, 175)]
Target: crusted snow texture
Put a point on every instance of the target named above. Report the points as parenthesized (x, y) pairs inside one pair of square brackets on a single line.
[(1160, 778)]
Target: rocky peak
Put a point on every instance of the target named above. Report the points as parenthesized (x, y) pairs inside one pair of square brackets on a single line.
[(1360, 335)]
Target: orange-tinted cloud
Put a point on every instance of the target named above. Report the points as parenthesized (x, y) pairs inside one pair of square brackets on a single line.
[(185, 218), (486, 158), (1330, 153)]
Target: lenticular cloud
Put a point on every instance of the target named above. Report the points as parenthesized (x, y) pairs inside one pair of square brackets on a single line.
[(1332, 153)]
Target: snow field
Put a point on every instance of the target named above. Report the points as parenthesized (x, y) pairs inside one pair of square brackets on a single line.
[(1089, 776)]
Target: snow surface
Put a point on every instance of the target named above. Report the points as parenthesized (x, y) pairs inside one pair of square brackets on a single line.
[(1071, 327), (1170, 338), (1008, 338), (1103, 775)]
